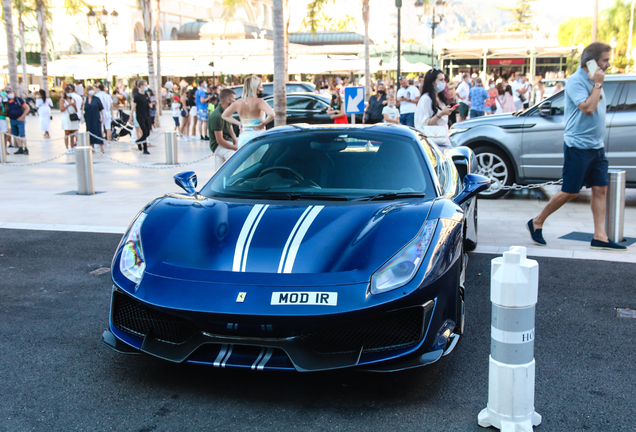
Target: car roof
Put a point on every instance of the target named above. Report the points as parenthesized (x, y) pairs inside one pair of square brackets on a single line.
[(621, 77)]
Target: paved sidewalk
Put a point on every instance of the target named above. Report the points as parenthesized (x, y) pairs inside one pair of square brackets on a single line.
[(43, 196)]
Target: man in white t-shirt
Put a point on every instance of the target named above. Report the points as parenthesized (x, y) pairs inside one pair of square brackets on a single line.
[(79, 90), (462, 96), (407, 97), (107, 104), (169, 86)]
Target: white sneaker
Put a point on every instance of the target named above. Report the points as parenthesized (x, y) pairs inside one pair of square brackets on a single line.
[(68, 151)]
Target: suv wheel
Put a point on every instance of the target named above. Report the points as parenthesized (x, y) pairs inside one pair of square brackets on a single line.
[(492, 163)]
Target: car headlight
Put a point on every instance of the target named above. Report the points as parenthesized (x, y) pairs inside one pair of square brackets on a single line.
[(404, 265), (455, 131), (132, 263)]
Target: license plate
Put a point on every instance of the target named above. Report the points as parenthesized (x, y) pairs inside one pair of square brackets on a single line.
[(305, 298)]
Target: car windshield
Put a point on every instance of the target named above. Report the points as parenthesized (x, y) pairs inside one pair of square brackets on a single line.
[(325, 165)]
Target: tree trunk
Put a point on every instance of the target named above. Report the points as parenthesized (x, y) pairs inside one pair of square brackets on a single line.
[(25, 84), (13, 60), (42, 27), (147, 15), (367, 66), (158, 91), (280, 102), (595, 21), (286, 16)]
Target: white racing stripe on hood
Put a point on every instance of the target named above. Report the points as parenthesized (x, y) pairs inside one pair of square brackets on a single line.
[(245, 237), (290, 238), (298, 237)]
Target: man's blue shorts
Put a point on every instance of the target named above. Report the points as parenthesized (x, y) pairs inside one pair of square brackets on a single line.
[(583, 168), (17, 128), (202, 114)]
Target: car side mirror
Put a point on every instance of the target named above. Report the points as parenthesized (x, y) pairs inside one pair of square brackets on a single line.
[(187, 180), (545, 108), (473, 184)]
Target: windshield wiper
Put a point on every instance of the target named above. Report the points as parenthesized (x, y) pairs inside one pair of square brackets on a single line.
[(392, 195), (298, 196)]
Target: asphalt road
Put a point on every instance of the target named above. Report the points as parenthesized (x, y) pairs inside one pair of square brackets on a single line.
[(56, 375)]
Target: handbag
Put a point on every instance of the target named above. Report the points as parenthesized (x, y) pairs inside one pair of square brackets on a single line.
[(73, 116), (436, 134)]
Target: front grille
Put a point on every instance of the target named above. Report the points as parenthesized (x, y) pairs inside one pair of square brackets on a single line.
[(398, 329), (132, 317)]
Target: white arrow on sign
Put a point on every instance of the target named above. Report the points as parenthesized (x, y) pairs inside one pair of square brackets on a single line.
[(352, 104)]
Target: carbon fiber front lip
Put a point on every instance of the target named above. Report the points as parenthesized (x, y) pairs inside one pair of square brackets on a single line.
[(300, 355)]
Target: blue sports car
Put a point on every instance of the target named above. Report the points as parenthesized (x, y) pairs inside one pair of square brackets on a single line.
[(311, 248)]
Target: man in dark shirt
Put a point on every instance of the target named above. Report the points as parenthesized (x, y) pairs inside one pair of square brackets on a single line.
[(141, 108), (223, 141), (17, 109)]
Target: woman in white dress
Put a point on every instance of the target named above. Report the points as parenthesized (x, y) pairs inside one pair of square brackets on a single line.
[(69, 106), (250, 109), (44, 105), (432, 111)]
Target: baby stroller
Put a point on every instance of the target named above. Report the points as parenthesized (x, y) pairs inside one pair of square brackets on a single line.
[(31, 103), (118, 126)]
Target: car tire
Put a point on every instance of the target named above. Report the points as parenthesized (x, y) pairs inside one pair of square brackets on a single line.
[(494, 164)]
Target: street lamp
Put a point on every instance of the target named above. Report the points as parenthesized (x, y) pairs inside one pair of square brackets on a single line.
[(436, 19), (613, 43), (102, 27)]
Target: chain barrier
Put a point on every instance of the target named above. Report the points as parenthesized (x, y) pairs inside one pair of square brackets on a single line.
[(131, 143), (151, 166), (32, 163), (515, 186), (29, 140)]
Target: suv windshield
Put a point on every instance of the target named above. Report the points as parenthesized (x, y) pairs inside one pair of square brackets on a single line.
[(324, 165)]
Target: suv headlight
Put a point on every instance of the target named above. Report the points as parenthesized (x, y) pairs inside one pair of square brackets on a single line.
[(132, 263), (404, 265)]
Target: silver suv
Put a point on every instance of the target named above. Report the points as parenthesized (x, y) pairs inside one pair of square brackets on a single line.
[(527, 146)]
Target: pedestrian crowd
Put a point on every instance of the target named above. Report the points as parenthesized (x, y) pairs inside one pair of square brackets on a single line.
[(430, 103)]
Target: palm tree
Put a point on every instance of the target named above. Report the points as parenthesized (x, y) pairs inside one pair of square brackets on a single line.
[(158, 90), (22, 8), (280, 63), (146, 11), (40, 11), (313, 10), (7, 8)]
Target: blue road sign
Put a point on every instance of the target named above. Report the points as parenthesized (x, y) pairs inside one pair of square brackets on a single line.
[(354, 100)]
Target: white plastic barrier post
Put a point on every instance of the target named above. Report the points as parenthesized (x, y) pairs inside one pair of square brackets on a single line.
[(514, 287), (172, 155), (84, 165)]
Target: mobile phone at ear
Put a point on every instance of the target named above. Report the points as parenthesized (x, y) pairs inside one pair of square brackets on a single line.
[(591, 67)]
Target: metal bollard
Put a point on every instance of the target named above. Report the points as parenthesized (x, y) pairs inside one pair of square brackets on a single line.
[(615, 212), (514, 287), (3, 147), (84, 166), (172, 156)]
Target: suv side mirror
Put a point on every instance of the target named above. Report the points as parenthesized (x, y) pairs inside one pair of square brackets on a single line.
[(473, 184), (545, 108), (187, 180)]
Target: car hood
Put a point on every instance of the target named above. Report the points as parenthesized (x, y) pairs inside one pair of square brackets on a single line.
[(304, 243)]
